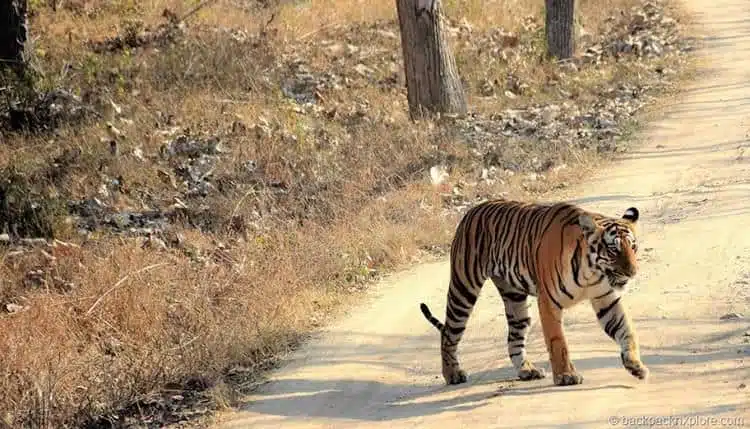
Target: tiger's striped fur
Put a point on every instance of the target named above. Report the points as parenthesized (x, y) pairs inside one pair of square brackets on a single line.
[(560, 253)]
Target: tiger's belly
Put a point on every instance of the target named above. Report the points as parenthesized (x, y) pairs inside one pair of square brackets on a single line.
[(515, 279), (566, 293)]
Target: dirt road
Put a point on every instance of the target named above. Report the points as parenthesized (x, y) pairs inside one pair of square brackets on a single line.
[(380, 367)]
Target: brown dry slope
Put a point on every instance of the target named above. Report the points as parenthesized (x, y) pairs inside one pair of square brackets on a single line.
[(380, 366)]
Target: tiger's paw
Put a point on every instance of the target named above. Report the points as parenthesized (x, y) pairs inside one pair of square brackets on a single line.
[(529, 372), (454, 376), (635, 367), (568, 379)]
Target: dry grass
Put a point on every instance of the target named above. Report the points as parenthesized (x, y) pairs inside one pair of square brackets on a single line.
[(109, 318), (137, 318)]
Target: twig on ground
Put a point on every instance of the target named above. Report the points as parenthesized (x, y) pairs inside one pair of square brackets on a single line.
[(119, 283)]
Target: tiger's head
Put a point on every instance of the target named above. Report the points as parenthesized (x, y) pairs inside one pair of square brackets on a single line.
[(612, 246)]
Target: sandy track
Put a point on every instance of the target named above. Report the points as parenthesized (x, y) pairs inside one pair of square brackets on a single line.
[(380, 366)]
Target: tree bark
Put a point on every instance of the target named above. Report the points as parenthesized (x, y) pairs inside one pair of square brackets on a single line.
[(433, 85), (560, 29), (13, 34)]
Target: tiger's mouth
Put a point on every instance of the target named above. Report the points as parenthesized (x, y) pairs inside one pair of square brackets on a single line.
[(617, 280)]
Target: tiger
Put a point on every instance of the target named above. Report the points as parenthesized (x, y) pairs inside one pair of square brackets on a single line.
[(559, 253)]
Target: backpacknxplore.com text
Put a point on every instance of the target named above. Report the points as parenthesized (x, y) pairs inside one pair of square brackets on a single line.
[(676, 421)]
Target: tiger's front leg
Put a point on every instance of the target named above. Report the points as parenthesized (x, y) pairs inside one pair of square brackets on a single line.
[(550, 315), (616, 324)]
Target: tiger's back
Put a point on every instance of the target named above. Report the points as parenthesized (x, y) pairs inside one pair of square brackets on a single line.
[(501, 239), (558, 252)]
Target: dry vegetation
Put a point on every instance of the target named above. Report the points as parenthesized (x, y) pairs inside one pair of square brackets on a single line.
[(221, 220)]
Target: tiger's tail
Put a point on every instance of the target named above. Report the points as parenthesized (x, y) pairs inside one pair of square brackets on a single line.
[(430, 318)]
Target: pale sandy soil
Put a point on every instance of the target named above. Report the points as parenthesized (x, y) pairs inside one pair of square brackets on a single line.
[(690, 178)]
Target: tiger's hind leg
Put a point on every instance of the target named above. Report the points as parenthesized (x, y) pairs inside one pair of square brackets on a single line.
[(461, 299), (519, 322)]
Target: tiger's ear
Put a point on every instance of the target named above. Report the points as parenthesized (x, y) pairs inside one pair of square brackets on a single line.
[(587, 224), (631, 215)]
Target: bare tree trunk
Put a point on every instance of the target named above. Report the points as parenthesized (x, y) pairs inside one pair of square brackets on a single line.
[(433, 85), (13, 34), (560, 29)]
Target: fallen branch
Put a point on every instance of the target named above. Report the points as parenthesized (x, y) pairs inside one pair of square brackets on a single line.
[(194, 10), (162, 33), (119, 283)]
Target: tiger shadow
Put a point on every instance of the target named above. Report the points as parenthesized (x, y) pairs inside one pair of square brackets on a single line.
[(343, 398)]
